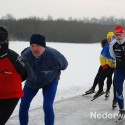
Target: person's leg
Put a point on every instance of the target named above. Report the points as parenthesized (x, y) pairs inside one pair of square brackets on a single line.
[(119, 76), (7, 107), (114, 101), (92, 89), (114, 91), (102, 78), (109, 79), (25, 104), (97, 78), (49, 93)]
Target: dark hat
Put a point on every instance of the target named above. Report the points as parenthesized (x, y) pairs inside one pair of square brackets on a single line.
[(38, 39), (3, 42), (3, 34)]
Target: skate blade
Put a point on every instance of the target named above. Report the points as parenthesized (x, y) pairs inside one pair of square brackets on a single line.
[(98, 96), (87, 94)]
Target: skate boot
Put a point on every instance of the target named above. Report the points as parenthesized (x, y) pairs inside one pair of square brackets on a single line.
[(90, 91), (107, 94), (114, 104), (98, 94), (121, 114)]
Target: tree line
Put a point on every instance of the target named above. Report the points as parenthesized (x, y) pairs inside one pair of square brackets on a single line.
[(60, 30)]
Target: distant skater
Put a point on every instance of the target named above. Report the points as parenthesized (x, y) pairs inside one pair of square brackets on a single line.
[(102, 68), (108, 64)]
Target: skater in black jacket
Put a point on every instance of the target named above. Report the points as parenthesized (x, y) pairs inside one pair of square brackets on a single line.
[(117, 51)]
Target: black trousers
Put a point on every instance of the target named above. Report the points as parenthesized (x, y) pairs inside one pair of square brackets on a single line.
[(97, 77), (107, 73), (7, 107)]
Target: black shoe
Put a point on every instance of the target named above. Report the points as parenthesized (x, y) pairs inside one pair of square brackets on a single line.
[(107, 94), (99, 93), (90, 91), (114, 103), (121, 114)]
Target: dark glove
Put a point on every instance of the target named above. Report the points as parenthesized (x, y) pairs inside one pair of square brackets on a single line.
[(23, 61), (106, 66)]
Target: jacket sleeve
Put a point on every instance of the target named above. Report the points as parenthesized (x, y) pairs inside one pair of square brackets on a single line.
[(111, 50), (102, 60), (61, 61), (20, 68)]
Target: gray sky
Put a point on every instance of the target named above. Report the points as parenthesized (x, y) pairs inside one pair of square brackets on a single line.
[(63, 8)]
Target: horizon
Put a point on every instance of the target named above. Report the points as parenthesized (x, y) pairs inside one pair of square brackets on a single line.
[(49, 17), (63, 9)]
